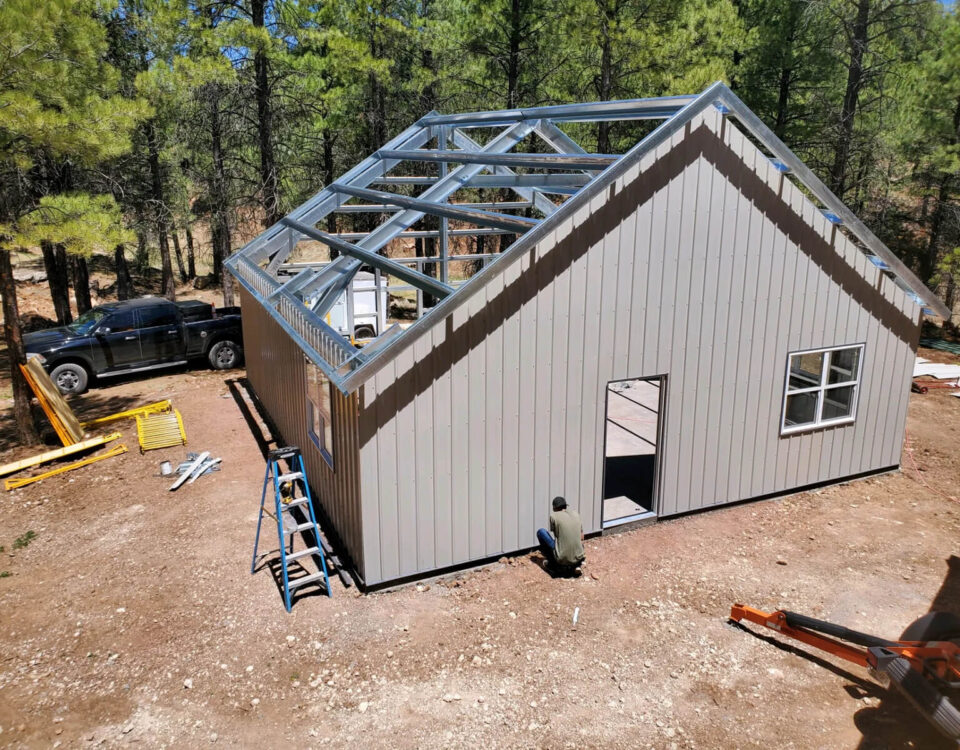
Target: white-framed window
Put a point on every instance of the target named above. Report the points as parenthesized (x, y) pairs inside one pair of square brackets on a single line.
[(822, 386), (319, 414)]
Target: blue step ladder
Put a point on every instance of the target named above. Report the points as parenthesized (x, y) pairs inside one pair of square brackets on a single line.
[(285, 499)]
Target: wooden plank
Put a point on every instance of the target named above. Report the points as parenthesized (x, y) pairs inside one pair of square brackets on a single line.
[(58, 411), (15, 482), (42, 458)]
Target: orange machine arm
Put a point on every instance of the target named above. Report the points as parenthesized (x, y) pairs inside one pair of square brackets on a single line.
[(778, 621)]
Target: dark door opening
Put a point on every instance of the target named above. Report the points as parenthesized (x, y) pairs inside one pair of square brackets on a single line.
[(631, 449)]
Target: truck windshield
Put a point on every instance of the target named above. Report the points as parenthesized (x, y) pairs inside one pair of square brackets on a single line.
[(88, 321)]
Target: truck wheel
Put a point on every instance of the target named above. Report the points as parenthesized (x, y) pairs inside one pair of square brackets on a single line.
[(925, 697), (70, 378), (225, 355), (364, 332)]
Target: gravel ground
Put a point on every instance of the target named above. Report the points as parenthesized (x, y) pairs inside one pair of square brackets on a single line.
[(132, 618)]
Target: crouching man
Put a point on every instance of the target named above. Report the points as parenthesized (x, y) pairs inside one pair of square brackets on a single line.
[(562, 546)]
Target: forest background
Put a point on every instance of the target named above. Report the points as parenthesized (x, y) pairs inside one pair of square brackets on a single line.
[(166, 132)]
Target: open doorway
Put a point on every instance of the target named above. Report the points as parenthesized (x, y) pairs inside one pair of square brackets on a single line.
[(631, 449)]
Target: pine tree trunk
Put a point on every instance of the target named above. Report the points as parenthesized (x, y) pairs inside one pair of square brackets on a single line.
[(513, 59), (268, 164), (606, 78), (124, 282), (26, 429), (783, 101), (168, 285), (191, 255), (54, 261), (787, 63), (939, 216), (930, 258), (81, 283), (851, 98), (142, 259), (220, 224), (329, 177), (227, 286), (179, 256)]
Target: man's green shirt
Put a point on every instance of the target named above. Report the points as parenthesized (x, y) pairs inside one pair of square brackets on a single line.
[(567, 529)]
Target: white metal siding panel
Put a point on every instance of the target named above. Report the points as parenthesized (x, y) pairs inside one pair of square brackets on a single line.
[(423, 435), (460, 400), (703, 281), (442, 447), (526, 420), (475, 432), (510, 395), (494, 402)]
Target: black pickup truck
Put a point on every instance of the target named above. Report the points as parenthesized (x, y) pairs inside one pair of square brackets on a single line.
[(136, 335)]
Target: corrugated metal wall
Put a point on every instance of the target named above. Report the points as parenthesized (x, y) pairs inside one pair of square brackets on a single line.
[(688, 265), (276, 371)]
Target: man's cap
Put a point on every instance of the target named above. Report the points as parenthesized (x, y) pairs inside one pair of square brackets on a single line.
[(559, 503)]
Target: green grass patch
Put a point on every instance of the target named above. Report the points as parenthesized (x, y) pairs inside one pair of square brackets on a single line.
[(21, 542)]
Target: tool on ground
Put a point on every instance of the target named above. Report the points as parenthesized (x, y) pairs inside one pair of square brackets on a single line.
[(924, 664), (206, 467), (190, 470), (160, 430), (209, 465), (166, 468), (154, 408), (58, 411), (285, 503), (16, 482), (42, 458), (922, 386)]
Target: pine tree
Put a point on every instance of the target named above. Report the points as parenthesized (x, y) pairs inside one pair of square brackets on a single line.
[(58, 98)]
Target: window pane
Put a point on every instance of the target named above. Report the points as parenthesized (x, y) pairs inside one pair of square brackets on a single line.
[(162, 315), (328, 424), (120, 322), (805, 370), (838, 402), (843, 365), (802, 409)]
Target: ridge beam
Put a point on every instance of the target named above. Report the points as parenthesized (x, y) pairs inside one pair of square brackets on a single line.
[(658, 108), (595, 162)]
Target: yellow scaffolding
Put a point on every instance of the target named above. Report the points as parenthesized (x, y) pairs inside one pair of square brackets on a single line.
[(160, 430), (154, 408)]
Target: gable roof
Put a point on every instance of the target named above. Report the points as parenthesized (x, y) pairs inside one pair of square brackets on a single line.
[(300, 303)]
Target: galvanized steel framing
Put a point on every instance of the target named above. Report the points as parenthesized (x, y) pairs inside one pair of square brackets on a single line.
[(299, 304)]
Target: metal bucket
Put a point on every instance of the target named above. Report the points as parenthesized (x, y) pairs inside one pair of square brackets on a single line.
[(166, 469)]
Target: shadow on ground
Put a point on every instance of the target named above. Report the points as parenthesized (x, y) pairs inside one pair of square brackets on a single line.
[(893, 723), (631, 477)]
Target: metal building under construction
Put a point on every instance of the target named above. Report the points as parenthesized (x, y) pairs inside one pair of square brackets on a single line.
[(695, 322)]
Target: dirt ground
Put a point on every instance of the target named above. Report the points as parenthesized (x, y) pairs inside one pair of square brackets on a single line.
[(132, 619)]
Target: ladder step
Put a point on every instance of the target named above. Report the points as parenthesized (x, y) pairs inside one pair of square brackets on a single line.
[(290, 477), (293, 503), (301, 527), (302, 553), (305, 580)]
